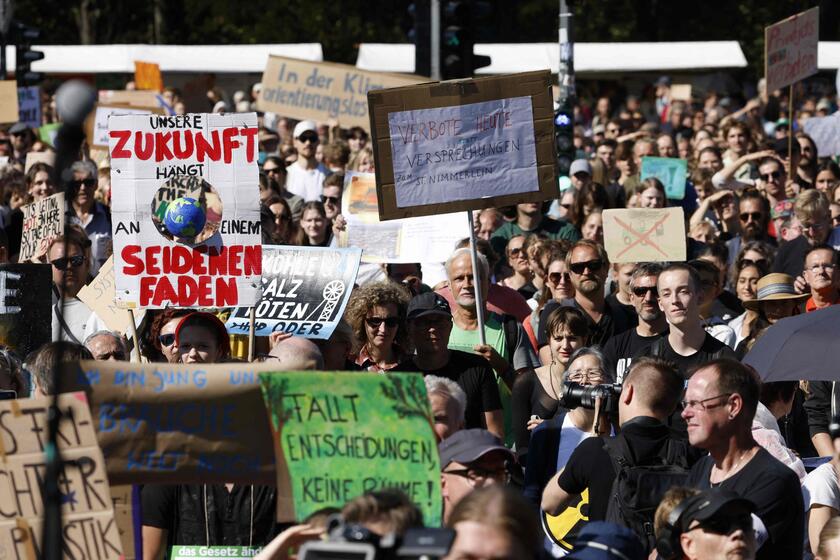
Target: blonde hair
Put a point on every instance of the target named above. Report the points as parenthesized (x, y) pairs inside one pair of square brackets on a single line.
[(672, 498), (809, 204)]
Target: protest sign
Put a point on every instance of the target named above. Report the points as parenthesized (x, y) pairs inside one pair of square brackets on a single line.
[(178, 423), (337, 436), (96, 126), (25, 306), (48, 132), (42, 221), (824, 131), (135, 98), (407, 240), (463, 145), (644, 234), (215, 552), (8, 101), (29, 106), (671, 172), (147, 76), (35, 157), (322, 90), (304, 291), (87, 519), (99, 296), (790, 49), (185, 207), (681, 92), (125, 516)]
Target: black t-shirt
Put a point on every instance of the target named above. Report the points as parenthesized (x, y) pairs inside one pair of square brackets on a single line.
[(590, 465), (615, 320), (711, 349), (620, 349), (777, 495), (475, 377), (530, 398), (790, 258)]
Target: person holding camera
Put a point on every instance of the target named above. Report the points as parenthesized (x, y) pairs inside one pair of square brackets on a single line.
[(651, 390)]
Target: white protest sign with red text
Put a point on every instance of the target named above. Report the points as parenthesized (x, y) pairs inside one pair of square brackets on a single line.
[(790, 49), (211, 159)]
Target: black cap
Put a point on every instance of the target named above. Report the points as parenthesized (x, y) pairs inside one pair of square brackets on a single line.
[(709, 503), (18, 127), (466, 446), (430, 303)]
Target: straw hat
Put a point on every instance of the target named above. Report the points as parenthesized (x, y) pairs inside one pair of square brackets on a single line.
[(774, 287)]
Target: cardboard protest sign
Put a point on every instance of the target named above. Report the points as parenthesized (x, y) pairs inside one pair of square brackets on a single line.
[(337, 436), (790, 49), (87, 519), (42, 221), (178, 423), (304, 291), (35, 157), (825, 132), (135, 98), (8, 101), (29, 106), (644, 234), (147, 76), (25, 306), (322, 90), (99, 296), (122, 498), (96, 126), (185, 207), (407, 240), (681, 92), (672, 172), (463, 145)]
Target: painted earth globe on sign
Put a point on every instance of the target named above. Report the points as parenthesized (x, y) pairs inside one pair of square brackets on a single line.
[(185, 217)]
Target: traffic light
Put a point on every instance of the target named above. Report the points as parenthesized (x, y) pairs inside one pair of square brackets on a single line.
[(564, 137), (459, 19), (25, 56), (421, 35)]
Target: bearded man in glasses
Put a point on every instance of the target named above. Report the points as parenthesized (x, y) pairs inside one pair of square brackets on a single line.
[(84, 210)]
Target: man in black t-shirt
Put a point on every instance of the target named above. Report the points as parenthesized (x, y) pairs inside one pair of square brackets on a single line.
[(720, 403), (429, 322), (620, 349), (688, 344)]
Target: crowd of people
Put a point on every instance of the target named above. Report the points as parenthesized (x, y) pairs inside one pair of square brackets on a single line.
[(611, 394)]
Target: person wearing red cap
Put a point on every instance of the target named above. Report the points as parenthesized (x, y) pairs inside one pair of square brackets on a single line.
[(201, 338)]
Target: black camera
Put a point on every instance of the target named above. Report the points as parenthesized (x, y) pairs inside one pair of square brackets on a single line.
[(573, 395), (354, 542), (834, 428)]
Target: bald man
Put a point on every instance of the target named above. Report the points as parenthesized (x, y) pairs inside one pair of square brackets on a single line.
[(296, 353)]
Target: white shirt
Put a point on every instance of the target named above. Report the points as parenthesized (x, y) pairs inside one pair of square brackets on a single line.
[(820, 488), (306, 183)]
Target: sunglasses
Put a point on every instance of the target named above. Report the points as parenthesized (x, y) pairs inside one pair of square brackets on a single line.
[(757, 262), (75, 261), (641, 291), (557, 277), (513, 251), (273, 170), (311, 138), (167, 339), (769, 176), (756, 216), (84, 182), (330, 199), (580, 267), (725, 525), (374, 322)]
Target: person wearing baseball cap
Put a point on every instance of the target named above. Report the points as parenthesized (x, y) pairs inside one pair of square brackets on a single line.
[(305, 176), (429, 321), (471, 459)]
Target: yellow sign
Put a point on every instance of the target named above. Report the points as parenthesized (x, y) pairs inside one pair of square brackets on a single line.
[(147, 76), (564, 527)]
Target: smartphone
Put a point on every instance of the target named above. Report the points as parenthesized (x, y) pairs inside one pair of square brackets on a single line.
[(8, 395)]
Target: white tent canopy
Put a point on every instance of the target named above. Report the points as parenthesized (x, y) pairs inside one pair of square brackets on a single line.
[(589, 57), (828, 55), (101, 59)]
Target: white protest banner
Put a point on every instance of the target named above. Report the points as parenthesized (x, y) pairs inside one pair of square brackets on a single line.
[(134, 97), (790, 49), (97, 124), (8, 101), (88, 526), (29, 106), (185, 207), (322, 90), (304, 291), (463, 145), (825, 132), (681, 92), (644, 234), (34, 157), (42, 221), (99, 296), (408, 240)]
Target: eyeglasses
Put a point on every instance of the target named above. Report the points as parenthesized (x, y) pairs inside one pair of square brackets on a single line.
[(477, 474), (118, 355), (585, 375), (756, 216), (819, 267), (75, 261), (701, 405), (311, 138), (641, 291), (557, 277), (84, 182), (727, 524), (580, 267), (514, 251), (330, 199), (167, 339), (757, 262), (767, 177), (374, 322)]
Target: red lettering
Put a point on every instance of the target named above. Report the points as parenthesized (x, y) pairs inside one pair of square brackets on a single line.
[(229, 143), (198, 266), (226, 292), (234, 256), (205, 298), (141, 151), (217, 265), (164, 292), (133, 263), (119, 151), (250, 135), (181, 259), (188, 144), (253, 260), (147, 293), (162, 151), (205, 149), (187, 291), (152, 259)]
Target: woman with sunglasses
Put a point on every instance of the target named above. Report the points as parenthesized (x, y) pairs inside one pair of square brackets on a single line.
[(159, 345), (520, 280), (278, 225), (376, 313), (69, 256), (85, 211), (558, 285)]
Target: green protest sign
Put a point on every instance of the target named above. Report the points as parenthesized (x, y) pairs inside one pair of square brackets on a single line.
[(338, 435), (214, 552), (671, 171)]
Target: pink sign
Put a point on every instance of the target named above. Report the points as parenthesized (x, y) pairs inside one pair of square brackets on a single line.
[(790, 49)]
